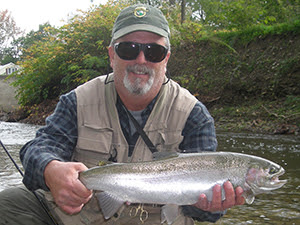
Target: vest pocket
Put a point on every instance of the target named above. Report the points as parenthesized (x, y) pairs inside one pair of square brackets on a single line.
[(167, 140), (95, 138), (93, 144)]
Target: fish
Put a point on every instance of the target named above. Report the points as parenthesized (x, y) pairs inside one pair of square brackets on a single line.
[(179, 180)]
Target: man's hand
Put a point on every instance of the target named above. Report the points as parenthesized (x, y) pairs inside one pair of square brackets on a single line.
[(68, 192), (232, 198)]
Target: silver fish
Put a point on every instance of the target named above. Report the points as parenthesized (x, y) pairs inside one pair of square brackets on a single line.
[(180, 180)]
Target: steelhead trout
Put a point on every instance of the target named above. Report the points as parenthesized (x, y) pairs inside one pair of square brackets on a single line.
[(180, 180)]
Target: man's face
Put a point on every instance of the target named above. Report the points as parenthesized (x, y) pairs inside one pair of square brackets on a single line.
[(138, 76)]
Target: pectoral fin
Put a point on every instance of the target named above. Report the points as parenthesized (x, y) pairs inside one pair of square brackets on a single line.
[(249, 197), (108, 203), (169, 213)]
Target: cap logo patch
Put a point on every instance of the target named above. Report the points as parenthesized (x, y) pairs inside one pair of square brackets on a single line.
[(140, 12)]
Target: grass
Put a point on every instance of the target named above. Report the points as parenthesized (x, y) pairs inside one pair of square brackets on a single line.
[(260, 116)]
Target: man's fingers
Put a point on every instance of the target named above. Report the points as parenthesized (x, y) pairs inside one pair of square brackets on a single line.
[(240, 200), (80, 190), (202, 203), (216, 203), (232, 197), (72, 209), (229, 195)]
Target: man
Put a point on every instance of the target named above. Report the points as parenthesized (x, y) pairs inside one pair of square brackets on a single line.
[(92, 124)]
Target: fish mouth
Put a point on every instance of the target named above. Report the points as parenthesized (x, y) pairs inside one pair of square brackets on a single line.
[(274, 179)]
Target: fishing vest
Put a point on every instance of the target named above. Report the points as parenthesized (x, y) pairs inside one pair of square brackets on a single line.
[(99, 131), (100, 137)]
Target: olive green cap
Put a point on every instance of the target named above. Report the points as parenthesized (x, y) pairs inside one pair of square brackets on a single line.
[(140, 17)]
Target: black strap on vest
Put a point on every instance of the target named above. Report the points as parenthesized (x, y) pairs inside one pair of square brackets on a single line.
[(139, 129)]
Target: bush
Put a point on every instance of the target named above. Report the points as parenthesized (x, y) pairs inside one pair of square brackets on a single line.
[(66, 57)]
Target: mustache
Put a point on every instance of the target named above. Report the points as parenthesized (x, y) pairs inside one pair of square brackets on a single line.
[(142, 69)]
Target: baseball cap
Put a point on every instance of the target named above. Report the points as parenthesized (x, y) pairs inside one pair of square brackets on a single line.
[(140, 17)]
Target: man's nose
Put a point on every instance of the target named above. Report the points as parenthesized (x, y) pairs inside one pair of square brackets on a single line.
[(141, 58)]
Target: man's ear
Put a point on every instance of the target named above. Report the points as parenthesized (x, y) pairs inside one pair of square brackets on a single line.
[(167, 58), (111, 53)]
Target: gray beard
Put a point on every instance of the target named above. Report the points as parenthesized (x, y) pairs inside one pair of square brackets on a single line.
[(136, 87)]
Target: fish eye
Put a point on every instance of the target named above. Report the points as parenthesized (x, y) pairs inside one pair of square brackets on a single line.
[(272, 170)]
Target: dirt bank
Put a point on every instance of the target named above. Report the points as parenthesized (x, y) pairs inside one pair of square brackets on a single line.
[(245, 118), (8, 101), (247, 87)]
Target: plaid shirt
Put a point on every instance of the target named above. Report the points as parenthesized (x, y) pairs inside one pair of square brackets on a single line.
[(58, 138)]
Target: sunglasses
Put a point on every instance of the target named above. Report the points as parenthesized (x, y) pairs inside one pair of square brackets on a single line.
[(130, 50)]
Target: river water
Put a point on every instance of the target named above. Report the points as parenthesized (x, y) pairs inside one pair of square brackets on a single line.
[(281, 206)]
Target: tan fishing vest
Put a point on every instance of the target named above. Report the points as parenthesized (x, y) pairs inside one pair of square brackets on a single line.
[(100, 135), (99, 131)]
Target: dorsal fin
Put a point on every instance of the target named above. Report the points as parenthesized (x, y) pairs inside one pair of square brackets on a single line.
[(164, 155)]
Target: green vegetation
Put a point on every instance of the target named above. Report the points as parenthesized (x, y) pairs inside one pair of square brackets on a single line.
[(241, 58), (65, 57), (249, 79), (250, 67), (277, 116)]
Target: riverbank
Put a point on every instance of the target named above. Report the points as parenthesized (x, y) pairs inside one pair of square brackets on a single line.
[(267, 117), (35, 114), (248, 84), (8, 101)]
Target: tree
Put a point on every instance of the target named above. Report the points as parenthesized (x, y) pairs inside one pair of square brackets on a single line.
[(8, 31), (16, 49), (239, 14), (55, 60), (66, 57)]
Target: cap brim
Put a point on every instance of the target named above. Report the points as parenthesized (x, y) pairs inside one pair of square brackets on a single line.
[(140, 27)]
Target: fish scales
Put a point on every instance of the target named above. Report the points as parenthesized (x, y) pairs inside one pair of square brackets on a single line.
[(180, 180)]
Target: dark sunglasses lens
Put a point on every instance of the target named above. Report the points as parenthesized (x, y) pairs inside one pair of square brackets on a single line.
[(155, 53), (130, 51), (127, 50)]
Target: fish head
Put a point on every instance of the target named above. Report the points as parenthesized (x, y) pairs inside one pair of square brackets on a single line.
[(263, 176)]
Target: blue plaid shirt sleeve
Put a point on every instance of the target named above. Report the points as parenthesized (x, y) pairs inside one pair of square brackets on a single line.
[(199, 131), (199, 135), (55, 141)]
